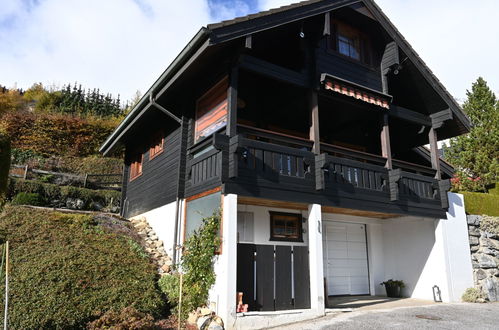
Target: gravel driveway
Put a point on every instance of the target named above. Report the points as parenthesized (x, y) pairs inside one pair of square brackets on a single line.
[(442, 316)]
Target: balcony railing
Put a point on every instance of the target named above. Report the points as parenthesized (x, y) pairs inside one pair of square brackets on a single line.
[(260, 158)]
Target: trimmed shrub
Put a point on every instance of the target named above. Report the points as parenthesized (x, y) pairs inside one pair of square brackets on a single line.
[(128, 318), (480, 203), (197, 264), (4, 164), (67, 270), (56, 134), (63, 196), (24, 198), (473, 295)]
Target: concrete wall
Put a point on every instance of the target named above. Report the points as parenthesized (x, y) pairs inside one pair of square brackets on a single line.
[(261, 224), (162, 221)]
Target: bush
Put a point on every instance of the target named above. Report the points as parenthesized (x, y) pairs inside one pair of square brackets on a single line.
[(27, 199), (66, 270), (197, 265), (473, 295), (57, 196), (490, 224), (56, 134), (128, 318), (4, 164), (480, 203)]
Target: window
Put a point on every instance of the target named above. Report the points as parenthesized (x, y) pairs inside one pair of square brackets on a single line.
[(350, 42), (136, 166), (211, 110), (285, 227), (156, 145), (200, 206)]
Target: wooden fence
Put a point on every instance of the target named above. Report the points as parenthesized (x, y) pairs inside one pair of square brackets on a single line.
[(88, 180)]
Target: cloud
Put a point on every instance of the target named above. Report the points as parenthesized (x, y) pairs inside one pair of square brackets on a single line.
[(227, 9), (118, 46)]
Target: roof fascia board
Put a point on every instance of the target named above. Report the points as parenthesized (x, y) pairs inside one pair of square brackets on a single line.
[(106, 149), (414, 57), (200, 37), (191, 59), (266, 22)]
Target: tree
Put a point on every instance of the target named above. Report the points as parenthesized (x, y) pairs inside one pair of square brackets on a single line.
[(476, 154)]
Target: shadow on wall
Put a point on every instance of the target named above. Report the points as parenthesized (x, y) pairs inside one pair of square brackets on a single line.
[(407, 246)]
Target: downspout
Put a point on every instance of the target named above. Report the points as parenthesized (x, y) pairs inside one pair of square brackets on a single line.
[(176, 235)]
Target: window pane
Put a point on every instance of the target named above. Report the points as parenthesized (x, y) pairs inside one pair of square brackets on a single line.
[(200, 208), (344, 48)]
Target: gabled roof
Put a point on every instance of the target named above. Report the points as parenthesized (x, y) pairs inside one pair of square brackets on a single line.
[(246, 25)]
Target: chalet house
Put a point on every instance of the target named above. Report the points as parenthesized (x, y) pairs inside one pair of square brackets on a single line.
[(307, 125)]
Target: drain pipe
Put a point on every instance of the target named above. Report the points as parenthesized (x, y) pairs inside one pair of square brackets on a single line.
[(152, 101), (176, 235)]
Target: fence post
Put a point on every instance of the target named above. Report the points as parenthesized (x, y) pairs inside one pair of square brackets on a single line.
[(25, 172), (85, 180)]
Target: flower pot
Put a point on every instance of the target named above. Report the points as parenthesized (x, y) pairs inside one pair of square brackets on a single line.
[(392, 291)]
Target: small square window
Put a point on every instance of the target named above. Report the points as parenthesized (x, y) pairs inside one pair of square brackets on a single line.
[(156, 145), (136, 166), (285, 227)]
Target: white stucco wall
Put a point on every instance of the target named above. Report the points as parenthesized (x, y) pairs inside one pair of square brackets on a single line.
[(261, 224), (162, 221)]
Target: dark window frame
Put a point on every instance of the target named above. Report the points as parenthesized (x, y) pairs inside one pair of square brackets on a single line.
[(157, 145), (136, 165), (364, 50), (295, 238)]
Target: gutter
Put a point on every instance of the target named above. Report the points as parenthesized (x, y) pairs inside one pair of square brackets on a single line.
[(195, 42)]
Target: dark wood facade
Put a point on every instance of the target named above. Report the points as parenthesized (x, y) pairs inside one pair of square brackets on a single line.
[(304, 122)]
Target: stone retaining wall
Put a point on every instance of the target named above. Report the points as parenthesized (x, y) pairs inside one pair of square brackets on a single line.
[(484, 248), (154, 246)]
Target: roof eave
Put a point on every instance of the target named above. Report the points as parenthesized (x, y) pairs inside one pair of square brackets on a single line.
[(200, 37)]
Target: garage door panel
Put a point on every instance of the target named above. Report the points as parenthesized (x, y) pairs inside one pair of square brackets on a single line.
[(345, 258)]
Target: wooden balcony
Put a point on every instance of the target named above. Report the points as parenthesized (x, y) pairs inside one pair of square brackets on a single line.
[(264, 164)]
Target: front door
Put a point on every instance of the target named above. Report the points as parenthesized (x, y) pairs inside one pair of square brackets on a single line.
[(345, 258)]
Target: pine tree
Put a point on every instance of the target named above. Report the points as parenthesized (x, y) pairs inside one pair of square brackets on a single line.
[(476, 154)]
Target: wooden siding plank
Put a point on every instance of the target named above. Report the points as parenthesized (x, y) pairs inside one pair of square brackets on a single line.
[(301, 277), (283, 285), (265, 277)]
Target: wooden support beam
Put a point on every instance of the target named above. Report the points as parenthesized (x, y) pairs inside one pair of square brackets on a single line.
[(232, 102), (435, 160), (248, 44), (439, 118), (273, 71), (385, 142), (314, 133), (327, 24), (409, 115)]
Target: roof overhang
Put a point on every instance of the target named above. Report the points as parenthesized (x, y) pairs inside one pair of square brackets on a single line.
[(144, 103)]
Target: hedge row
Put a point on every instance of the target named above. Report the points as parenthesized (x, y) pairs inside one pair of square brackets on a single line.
[(4, 164), (56, 134), (68, 269), (66, 196), (480, 203)]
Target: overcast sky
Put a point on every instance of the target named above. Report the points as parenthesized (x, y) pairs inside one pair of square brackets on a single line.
[(121, 46)]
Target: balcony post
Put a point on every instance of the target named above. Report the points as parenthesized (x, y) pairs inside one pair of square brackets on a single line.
[(314, 123), (435, 161), (232, 102), (385, 142)]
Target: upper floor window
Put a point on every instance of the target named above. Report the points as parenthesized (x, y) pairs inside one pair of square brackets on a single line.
[(157, 144), (136, 165), (211, 110), (350, 42)]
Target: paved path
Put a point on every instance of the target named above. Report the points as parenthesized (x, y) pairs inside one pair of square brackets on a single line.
[(441, 316)]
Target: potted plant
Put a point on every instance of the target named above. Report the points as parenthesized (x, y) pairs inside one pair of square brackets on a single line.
[(393, 288)]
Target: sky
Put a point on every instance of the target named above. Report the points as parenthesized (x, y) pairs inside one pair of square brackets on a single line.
[(122, 46)]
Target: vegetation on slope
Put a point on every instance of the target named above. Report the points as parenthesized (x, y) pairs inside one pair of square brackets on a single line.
[(67, 269)]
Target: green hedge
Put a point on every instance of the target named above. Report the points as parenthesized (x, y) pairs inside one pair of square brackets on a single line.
[(4, 164), (58, 196), (480, 203), (68, 269)]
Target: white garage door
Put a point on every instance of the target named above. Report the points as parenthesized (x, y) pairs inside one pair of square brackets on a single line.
[(345, 258)]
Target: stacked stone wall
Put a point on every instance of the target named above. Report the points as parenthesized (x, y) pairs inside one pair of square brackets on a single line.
[(484, 248)]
